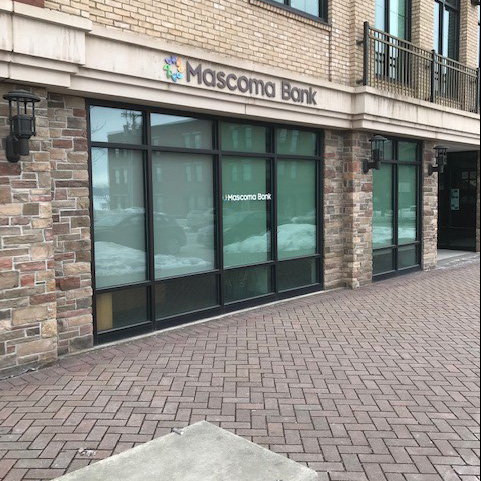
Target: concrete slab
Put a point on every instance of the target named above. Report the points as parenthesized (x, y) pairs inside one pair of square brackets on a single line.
[(202, 453)]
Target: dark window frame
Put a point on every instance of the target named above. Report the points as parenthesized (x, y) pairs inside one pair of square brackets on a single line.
[(156, 323), (450, 5), (286, 5), (396, 246), (387, 19)]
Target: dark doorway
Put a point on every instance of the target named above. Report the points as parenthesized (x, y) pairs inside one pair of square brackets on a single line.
[(457, 202)]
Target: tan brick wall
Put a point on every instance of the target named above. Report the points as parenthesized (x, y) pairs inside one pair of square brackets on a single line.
[(245, 29), (73, 7), (422, 33), (468, 51)]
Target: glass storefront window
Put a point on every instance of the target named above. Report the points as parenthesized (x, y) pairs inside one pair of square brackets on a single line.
[(296, 142), (298, 273), (185, 295), (244, 138), (396, 209), (187, 223), (408, 206), (408, 151), (181, 132), (383, 210), (383, 262), (248, 283), (247, 203), (120, 309), (296, 209), (119, 217), (116, 126), (184, 218), (408, 257)]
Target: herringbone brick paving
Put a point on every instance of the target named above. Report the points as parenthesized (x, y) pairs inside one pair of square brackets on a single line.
[(380, 384)]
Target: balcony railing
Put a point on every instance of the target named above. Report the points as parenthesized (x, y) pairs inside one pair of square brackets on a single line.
[(398, 66)]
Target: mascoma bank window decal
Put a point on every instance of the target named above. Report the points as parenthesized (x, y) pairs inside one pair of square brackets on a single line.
[(174, 69)]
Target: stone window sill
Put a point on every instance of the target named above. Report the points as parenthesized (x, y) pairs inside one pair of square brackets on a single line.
[(291, 13)]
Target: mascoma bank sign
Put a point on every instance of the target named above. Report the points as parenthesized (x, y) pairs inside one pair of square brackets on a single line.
[(243, 84)]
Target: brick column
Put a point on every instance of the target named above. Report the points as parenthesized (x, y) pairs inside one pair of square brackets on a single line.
[(347, 211), (334, 275), (71, 221), (28, 309), (45, 280), (358, 210), (468, 42), (430, 210), (362, 11), (422, 31)]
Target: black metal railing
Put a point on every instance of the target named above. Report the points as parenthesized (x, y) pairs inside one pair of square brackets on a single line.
[(400, 67)]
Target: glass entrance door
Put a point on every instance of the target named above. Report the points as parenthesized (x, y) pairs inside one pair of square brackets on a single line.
[(458, 202)]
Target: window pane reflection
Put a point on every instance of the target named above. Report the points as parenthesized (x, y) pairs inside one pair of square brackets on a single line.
[(117, 126), (242, 284), (246, 211), (183, 214), (408, 151), (297, 212), (181, 132), (119, 217), (383, 218), (407, 204), (296, 142), (121, 309), (244, 138), (308, 6)]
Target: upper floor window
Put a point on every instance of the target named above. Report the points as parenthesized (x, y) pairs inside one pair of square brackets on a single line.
[(315, 8), (394, 17), (446, 28)]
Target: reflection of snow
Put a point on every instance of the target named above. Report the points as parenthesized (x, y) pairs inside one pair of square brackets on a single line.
[(291, 238), (118, 264), (383, 236), (297, 237)]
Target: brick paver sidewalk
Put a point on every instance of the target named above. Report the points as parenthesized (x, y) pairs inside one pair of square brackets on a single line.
[(378, 384)]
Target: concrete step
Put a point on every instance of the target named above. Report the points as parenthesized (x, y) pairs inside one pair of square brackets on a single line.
[(202, 452)]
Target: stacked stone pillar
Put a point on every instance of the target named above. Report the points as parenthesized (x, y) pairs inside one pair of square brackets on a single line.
[(45, 288)]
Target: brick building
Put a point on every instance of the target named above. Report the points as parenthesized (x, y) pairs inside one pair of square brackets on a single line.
[(194, 158)]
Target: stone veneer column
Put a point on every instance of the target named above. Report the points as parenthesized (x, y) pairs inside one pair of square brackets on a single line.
[(28, 308), (430, 210), (334, 269), (71, 221), (45, 285), (358, 210), (347, 211)]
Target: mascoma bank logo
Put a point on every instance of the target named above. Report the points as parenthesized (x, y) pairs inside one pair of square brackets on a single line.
[(174, 69)]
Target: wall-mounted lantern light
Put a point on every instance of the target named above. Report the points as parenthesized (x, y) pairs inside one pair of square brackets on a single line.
[(22, 123), (441, 155), (377, 153)]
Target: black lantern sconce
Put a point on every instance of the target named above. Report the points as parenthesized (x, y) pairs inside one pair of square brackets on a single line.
[(441, 155), (22, 124), (377, 153)]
